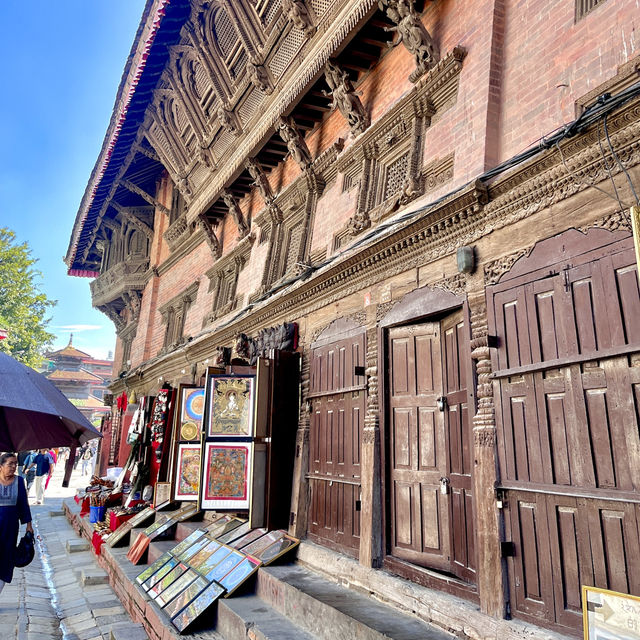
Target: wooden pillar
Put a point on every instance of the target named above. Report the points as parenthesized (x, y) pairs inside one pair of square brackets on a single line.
[(371, 514), (490, 567), (300, 487)]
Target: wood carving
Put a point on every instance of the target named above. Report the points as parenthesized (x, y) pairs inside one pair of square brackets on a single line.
[(297, 12), (345, 98), (260, 179), (296, 145), (236, 212), (259, 76), (228, 121), (212, 239), (412, 33)]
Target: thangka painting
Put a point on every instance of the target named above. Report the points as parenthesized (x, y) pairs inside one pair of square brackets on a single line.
[(192, 404), (226, 476), (231, 403), (187, 481)]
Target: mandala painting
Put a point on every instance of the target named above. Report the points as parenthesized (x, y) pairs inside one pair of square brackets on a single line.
[(231, 406), (192, 403), (226, 482), (187, 472)]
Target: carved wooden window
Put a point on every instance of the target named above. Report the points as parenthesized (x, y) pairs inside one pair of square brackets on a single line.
[(396, 174), (266, 10), (137, 246), (585, 6), (293, 241), (174, 314), (231, 49)]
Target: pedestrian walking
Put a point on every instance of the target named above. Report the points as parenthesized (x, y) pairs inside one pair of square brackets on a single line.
[(28, 471), (79, 454), (14, 509), (22, 456), (42, 463), (86, 460), (54, 460)]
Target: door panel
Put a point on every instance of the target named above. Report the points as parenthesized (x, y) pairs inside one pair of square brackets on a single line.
[(427, 445), (337, 419)]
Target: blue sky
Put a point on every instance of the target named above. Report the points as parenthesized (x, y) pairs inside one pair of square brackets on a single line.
[(62, 65)]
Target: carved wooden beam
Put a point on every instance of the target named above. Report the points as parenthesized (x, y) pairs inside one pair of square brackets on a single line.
[(144, 195), (132, 220), (235, 211), (149, 153), (212, 239)]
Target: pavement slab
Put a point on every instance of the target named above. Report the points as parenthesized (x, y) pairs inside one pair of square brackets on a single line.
[(63, 593)]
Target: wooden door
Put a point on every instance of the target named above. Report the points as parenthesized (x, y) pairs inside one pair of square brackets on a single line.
[(337, 396), (567, 392), (429, 456), (460, 465)]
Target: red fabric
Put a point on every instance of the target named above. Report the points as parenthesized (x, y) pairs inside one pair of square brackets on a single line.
[(96, 541), (115, 521), (84, 507)]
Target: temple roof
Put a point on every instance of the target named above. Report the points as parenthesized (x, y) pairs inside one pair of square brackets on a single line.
[(89, 403), (159, 28), (60, 375)]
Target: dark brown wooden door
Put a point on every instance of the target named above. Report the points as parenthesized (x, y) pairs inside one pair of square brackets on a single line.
[(429, 463), (337, 395), (567, 393)]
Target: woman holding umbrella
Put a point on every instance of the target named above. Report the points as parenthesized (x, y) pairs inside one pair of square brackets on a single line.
[(14, 508)]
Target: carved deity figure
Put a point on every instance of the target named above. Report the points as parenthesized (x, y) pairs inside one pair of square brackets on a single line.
[(205, 158), (260, 179), (297, 12), (259, 77), (184, 187), (212, 239), (412, 33), (295, 142), (345, 98), (134, 304), (228, 121), (236, 212)]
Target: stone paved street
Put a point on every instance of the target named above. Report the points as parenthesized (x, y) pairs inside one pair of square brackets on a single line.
[(63, 593)]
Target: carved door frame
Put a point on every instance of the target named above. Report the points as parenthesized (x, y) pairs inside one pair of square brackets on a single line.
[(423, 304)]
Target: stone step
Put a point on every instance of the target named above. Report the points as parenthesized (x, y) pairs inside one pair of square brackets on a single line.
[(248, 616), (331, 612), (93, 576), (75, 546), (130, 632), (156, 549)]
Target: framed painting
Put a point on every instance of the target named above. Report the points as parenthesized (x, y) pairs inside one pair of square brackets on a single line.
[(231, 406), (213, 560), (247, 538), (225, 525), (184, 513), (152, 528), (230, 536), (152, 568), (197, 607), (167, 580), (120, 534), (184, 598), (187, 478), (227, 468), (179, 585), (191, 412), (140, 518), (138, 549), (227, 564), (276, 549), (263, 542), (161, 494), (158, 575), (239, 574), (196, 560), (188, 541), (191, 551)]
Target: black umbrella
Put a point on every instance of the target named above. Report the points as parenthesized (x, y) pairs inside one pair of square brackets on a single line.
[(34, 414)]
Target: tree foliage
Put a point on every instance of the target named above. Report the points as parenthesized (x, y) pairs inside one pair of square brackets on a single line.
[(23, 308)]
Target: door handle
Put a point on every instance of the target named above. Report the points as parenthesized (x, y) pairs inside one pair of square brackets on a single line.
[(444, 486), (441, 402)]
